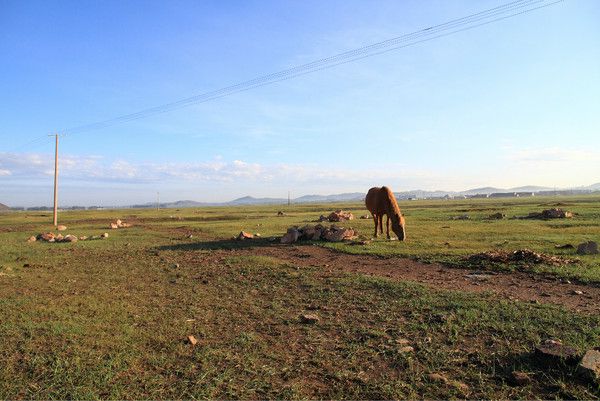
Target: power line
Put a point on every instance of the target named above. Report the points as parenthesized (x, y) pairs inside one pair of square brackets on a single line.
[(472, 21)]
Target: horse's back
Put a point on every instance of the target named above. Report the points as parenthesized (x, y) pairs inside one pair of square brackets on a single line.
[(372, 199), (380, 200)]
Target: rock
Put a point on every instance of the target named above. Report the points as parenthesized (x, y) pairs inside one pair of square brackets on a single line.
[(497, 216), (244, 235), (552, 353), (257, 235), (33, 238), (340, 215), (307, 232), (462, 217), (309, 319), (589, 367), (46, 237), (365, 217), (337, 234), (175, 265), (70, 238), (577, 292), (126, 225), (59, 238), (552, 214), (437, 377), (291, 236), (192, 340), (61, 228), (587, 248), (83, 238), (114, 226), (280, 213), (406, 349), (564, 246), (519, 378), (105, 235), (322, 218), (118, 222)]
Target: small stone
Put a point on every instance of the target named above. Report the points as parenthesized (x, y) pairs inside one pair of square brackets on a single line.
[(61, 228), (83, 238), (589, 367), (175, 266), (437, 377), (70, 238), (114, 226), (105, 235), (519, 378), (46, 237), (32, 239), (552, 353), (244, 235), (309, 319), (577, 292), (192, 340), (587, 248), (59, 238)]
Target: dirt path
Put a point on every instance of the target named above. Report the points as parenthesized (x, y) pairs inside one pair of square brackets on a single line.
[(511, 285)]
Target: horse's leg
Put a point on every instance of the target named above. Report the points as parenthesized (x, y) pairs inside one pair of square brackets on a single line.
[(380, 224), (387, 226), (375, 221)]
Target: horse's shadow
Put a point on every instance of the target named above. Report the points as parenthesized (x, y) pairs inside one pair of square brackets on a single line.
[(218, 245)]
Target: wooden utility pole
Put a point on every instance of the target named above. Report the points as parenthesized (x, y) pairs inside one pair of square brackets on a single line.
[(56, 181)]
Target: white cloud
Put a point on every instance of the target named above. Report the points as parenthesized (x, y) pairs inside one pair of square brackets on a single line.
[(553, 154)]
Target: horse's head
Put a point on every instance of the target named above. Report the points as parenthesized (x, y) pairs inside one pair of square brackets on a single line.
[(398, 226)]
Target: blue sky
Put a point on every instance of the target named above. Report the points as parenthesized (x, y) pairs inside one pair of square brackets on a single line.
[(507, 104)]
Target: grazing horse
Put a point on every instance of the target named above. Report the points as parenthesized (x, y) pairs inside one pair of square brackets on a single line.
[(381, 201)]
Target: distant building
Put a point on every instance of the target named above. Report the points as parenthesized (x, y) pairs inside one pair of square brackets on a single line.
[(476, 196), (525, 194)]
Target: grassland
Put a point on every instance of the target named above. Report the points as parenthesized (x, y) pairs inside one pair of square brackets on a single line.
[(109, 318)]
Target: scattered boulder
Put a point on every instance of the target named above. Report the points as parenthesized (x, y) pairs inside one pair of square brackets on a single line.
[(339, 215), (553, 353), (309, 319), (589, 367), (33, 238), (46, 237), (587, 248), (61, 228), (365, 217), (70, 238), (338, 234), (519, 378), (554, 213), (496, 216), (105, 235), (83, 238), (521, 256), (119, 224), (280, 213), (291, 236), (322, 218), (192, 340), (244, 235), (59, 237)]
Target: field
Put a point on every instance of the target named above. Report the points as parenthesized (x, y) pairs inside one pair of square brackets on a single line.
[(110, 318)]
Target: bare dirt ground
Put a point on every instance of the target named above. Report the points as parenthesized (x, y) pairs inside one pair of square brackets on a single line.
[(516, 286)]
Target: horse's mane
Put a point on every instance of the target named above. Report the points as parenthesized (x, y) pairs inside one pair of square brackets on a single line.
[(391, 200)]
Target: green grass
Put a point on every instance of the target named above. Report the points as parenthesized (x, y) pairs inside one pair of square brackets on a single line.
[(109, 318)]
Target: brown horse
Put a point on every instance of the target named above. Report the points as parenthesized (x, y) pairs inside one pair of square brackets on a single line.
[(382, 201)]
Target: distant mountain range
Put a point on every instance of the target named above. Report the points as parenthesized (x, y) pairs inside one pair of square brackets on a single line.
[(3, 207), (357, 197)]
